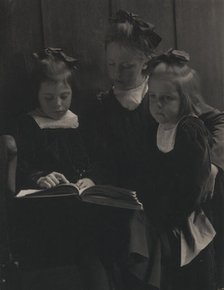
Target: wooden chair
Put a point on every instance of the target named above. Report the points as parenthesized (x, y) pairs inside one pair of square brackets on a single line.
[(8, 263)]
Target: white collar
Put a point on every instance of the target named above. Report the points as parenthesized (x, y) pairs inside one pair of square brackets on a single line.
[(130, 99), (68, 120), (166, 138)]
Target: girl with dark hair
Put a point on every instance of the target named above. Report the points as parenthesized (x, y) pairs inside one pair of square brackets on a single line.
[(177, 200), (51, 151), (124, 122)]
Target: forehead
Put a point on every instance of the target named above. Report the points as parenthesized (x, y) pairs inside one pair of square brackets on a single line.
[(162, 85), (52, 85), (123, 52)]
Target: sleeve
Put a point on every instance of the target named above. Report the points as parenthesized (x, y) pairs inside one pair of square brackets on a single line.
[(214, 121), (94, 130), (27, 143), (187, 187)]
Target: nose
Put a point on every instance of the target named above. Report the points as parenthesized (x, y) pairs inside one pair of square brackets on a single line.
[(159, 104), (58, 103)]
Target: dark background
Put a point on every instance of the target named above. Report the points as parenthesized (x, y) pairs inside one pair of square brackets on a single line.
[(78, 26)]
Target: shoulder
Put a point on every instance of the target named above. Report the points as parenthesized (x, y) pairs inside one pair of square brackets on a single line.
[(192, 122), (213, 117), (26, 126), (26, 121), (192, 129)]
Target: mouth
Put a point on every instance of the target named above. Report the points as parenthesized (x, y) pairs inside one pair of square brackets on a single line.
[(59, 112), (159, 114)]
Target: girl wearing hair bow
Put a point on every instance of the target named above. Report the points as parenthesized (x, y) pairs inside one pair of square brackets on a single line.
[(51, 151), (51, 148), (177, 201), (125, 125)]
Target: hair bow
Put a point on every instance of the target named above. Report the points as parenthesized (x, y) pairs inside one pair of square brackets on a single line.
[(174, 56), (56, 53), (140, 26)]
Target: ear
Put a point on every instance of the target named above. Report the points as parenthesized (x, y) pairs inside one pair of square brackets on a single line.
[(145, 66)]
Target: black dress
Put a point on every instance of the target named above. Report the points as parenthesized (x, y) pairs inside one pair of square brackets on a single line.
[(179, 188), (66, 224), (42, 151), (55, 230), (124, 139), (126, 142)]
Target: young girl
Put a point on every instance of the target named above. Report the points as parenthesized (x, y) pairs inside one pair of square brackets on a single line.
[(124, 126), (51, 151), (181, 172)]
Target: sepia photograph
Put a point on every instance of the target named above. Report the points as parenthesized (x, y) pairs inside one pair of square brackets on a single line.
[(112, 145)]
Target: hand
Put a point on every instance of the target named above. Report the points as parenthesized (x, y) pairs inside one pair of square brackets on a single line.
[(84, 183), (211, 181), (51, 180)]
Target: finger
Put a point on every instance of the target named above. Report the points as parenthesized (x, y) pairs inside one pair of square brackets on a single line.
[(61, 177), (44, 184), (82, 186), (50, 181), (54, 178), (79, 182)]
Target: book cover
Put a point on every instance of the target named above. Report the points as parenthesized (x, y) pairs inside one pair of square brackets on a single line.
[(98, 194)]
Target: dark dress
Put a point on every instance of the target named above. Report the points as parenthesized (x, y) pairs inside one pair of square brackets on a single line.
[(62, 229), (42, 151), (55, 230), (178, 189), (126, 142)]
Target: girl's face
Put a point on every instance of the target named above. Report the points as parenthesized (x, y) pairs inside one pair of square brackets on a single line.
[(125, 66), (54, 98), (164, 101)]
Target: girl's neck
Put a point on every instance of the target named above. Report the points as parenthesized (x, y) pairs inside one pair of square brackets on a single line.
[(136, 87), (168, 126)]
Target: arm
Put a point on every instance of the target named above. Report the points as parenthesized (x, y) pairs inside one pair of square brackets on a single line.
[(214, 121), (29, 170), (186, 188)]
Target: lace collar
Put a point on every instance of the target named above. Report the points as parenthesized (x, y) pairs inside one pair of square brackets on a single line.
[(69, 120), (131, 99)]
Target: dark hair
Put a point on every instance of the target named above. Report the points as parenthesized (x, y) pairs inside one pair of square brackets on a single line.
[(51, 64), (130, 30), (172, 66)]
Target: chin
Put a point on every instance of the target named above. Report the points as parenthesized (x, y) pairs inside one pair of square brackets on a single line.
[(57, 116)]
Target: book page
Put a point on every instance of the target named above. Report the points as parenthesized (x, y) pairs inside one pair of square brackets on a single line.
[(25, 192), (63, 189)]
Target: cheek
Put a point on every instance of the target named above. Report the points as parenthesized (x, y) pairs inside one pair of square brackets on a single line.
[(173, 110), (42, 103), (67, 102), (152, 106), (130, 76)]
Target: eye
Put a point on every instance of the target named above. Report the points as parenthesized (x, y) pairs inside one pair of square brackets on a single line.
[(49, 98), (169, 98), (152, 96), (127, 66), (64, 96)]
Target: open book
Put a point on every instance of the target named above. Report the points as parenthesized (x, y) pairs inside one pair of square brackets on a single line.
[(97, 194)]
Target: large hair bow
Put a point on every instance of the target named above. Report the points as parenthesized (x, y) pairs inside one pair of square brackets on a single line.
[(56, 53), (174, 56), (140, 26)]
